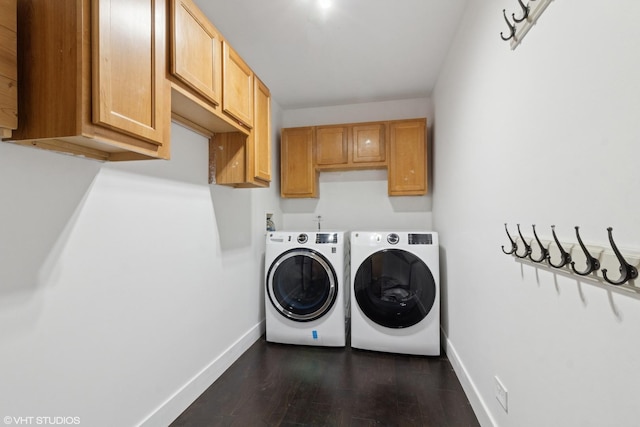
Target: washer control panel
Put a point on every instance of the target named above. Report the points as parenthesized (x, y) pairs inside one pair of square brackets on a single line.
[(327, 238), (302, 238), (393, 239)]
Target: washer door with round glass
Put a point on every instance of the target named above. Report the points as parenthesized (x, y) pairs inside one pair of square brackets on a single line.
[(302, 285), (394, 288)]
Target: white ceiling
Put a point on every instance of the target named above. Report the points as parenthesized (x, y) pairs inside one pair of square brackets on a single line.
[(354, 51)]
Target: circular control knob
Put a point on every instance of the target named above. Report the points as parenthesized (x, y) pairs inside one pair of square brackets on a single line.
[(302, 238), (393, 238)]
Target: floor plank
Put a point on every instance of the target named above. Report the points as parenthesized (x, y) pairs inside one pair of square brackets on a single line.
[(285, 385)]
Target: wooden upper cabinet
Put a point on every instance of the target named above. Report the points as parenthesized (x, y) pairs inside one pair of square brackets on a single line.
[(128, 73), (298, 174), (196, 50), (227, 158), (399, 146), (261, 132), (368, 143), (92, 78), (332, 145), (350, 146), (244, 161), (8, 68), (237, 86), (407, 158)]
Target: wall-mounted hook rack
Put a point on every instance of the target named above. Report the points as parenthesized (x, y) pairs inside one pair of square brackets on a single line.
[(597, 258), (521, 26), (592, 263), (627, 271)]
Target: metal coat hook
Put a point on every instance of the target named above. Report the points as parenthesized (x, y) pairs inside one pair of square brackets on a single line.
[(544, 252), (565, 257), (525, 12), (627, 271), (513, 243), (592, 263), (512, 27), (527, 248)]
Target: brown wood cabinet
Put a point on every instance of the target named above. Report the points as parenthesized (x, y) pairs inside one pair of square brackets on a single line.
[(309, 150), (299, 177), (212, 86), (332, 146), (237, 90), (215, 93), (92, 78), (368, 143), (350, 146), (244, 161), (407, 158), (195, 71), (260, 152), (8, 68), (228, 158), (196, 50)]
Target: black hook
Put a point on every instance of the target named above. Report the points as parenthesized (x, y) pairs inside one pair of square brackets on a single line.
[(627, 271), (592, 263), (525, 11), (512, 27), (513, 243), (527, 248), (565, 257), (544, 252)]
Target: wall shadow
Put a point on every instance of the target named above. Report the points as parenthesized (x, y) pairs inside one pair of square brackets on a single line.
[(43, 192), (233, 210)]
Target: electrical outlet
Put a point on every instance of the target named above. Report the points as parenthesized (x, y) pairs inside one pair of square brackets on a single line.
[(501, 393)]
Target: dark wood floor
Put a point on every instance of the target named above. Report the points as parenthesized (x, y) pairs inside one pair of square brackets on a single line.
[(284, 385)]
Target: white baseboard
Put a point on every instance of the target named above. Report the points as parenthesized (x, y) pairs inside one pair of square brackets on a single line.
[(169, 410), (477, 402)]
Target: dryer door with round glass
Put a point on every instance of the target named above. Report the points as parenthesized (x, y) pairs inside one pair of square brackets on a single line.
[(394, 288), (302, 285)]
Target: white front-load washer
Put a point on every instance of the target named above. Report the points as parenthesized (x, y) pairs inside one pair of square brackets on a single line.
[(395, 293), (307, 287)]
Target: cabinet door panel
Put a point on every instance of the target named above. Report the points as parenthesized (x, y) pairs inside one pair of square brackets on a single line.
[(331, 145), (196, 50), (298, 175), (368, 143), (262, 132), (230, 154), (237, 90), (128, 66), (8, 68), (407, 163)]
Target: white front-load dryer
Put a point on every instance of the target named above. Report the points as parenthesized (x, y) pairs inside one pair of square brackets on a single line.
[(307, 287), (395, 293)]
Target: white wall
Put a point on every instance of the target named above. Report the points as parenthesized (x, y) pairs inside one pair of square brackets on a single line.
[(545, 134), (125, 288), (358, 199)]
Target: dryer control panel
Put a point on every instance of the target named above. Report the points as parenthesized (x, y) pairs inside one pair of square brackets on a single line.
[(420, 239)]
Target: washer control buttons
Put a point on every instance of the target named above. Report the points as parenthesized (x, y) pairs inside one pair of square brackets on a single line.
[(302, 238), (393, 238)]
